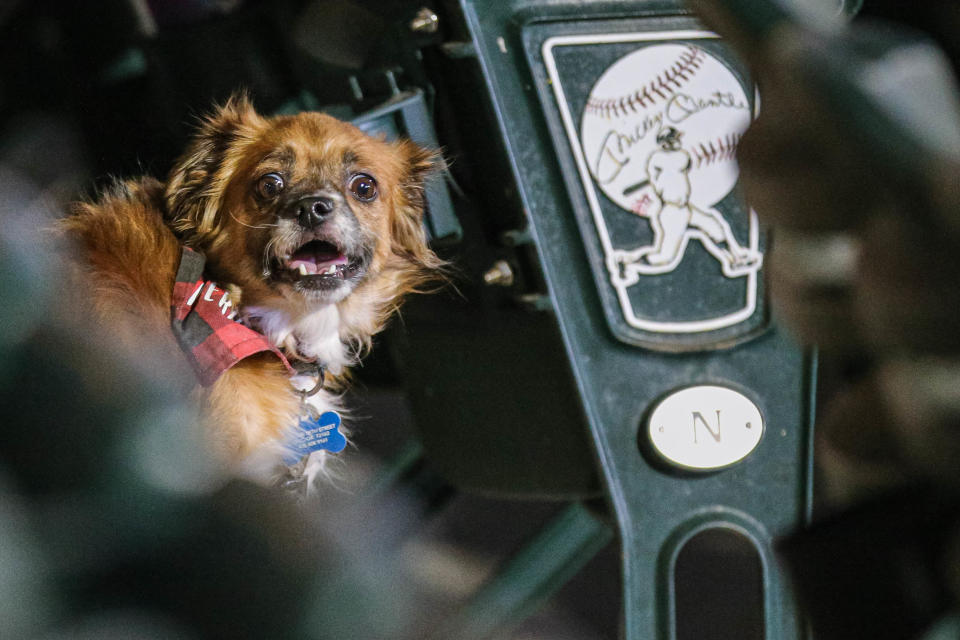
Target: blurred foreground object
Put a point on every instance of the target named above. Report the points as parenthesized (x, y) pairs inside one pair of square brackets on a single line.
[(855, 162), (123, 524)]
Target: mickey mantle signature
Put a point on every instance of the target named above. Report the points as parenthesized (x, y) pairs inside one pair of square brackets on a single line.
[(613, 153)]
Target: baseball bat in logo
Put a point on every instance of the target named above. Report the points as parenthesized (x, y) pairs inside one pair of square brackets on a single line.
[(659, 132)]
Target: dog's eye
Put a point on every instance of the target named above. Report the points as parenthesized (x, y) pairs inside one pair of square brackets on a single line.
[(270, 185), (363, 187)]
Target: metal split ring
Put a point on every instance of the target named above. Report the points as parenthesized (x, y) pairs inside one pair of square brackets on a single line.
[(320, 373)]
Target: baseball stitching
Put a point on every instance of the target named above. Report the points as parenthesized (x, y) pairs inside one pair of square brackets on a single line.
[(666, 83), (720, 149)]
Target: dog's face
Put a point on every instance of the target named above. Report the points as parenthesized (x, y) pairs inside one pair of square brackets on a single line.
[(301, 209)]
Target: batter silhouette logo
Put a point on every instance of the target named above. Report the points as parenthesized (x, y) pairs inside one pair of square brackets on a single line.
[(654, 135)]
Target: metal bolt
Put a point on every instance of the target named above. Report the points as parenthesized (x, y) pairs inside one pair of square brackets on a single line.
[(426, 21), (500, 274)]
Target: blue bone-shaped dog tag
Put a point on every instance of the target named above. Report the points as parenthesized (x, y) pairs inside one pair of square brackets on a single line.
[(316, 434)]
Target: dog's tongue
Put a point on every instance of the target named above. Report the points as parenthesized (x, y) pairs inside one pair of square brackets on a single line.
[(316, 258)]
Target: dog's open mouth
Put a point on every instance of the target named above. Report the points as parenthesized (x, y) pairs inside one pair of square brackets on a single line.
[(318, 263), (318, 258)]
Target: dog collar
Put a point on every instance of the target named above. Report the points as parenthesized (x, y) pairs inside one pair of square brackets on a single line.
[(202, 318)]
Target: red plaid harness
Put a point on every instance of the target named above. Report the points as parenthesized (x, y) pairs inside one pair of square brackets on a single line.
[(202, 317)]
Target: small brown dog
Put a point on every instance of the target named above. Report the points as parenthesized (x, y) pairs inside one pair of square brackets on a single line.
[(296, 234)]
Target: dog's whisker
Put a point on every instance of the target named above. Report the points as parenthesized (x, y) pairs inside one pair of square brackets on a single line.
[(272, 251), (266, 225), (269, 252)]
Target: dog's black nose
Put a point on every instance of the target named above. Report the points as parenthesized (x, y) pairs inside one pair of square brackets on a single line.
[(312, 211)]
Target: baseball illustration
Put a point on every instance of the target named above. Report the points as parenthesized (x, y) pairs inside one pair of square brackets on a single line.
[(673, 98)]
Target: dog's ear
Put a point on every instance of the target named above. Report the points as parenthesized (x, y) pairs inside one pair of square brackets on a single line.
[(198, 181), (409, 237)]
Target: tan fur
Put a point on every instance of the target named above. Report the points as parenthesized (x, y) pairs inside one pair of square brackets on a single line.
[(129, 241), (252, 403), (125, 285)]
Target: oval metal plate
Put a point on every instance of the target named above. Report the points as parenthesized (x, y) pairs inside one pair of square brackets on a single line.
[(705, 428)]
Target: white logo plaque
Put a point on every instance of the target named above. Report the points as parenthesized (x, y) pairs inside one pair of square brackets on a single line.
[(654, 120)]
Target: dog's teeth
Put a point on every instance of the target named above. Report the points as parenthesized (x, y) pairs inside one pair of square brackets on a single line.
[(303, 269), (332, 270)]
